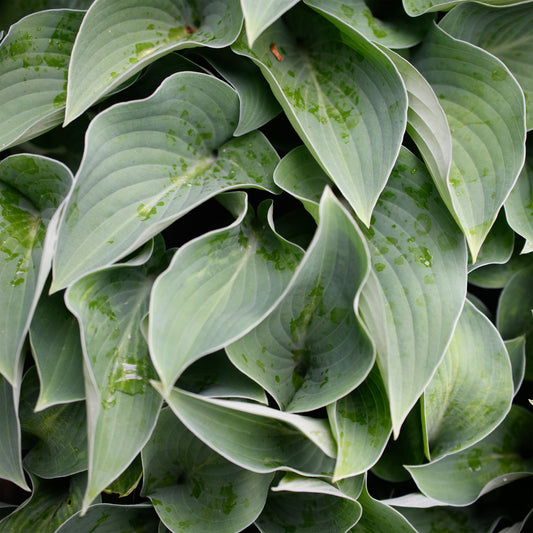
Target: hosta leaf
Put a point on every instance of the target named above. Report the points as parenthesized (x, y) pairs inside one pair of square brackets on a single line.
[(311, 349), (304, 504), (472, 390), (361, 424), (301, 176), (484, 106), (516, 348), (427, 124), (34, 59), (10, 444), (256, 101), (210, 295), (414, 8), (397, 30), (55, 343), (343, 96), (122, 407), (501, 457), (514, 315), (414, 296), (116, 40), (192, 487), (151, 161), (258, 16), (378, 517), (128, 481), (214, 376), (51, 503), (112, 518), (257, 437), (519, 204), (31, 189), (502, 32), (60, 432)]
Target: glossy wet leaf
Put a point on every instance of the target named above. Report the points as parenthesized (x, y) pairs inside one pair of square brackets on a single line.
[(311, 349), (117, 40), (502, 32), (122, 407), (304, 504), (500, 458), (415, 293), (52, 502), (485, 109), (519, 205), (256, 101), (149, 162), (514, 315), (257, 437), (56, 348), (34, 58), (342, 95), (362, 426), (214, 376), (193, 488), (31, 189), (10, 443), (258, 16), (60, 434), (395, 30), (209, 296), (472, 390), (415, 8), (112, 518)]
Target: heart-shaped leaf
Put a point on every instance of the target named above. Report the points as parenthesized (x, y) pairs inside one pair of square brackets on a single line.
[(116, 40), (311, 349), (485, 109), (208, 298), (257, 437), (502, 32), (472, 390), (352, 123), (151, 161), (193, 488), (31, 189), (501, 457), (416, 291), (34, 58), (122, 407)]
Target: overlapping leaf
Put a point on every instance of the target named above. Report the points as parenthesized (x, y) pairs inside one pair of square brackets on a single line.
[(485, 109), (34, 58), (211, 294), (149, 162), (347, 101), (396, 30), (472, 390), (417, 7), (516, 348), (122, 407), (193, 488), (31, 189), (311, 349), (413, 298), (117, 39), (502, 32), (501, 457), (257, 437)]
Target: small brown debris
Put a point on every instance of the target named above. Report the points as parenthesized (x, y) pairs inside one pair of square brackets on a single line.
[(275, 51), (190, 30)]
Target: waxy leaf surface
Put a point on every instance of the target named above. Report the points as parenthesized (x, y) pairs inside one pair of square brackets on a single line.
[(472, 390), (346, 101), (118, 39), (485, 109), (415, 8), (210, 295), (34, 58), (149, 162), (195, 489)]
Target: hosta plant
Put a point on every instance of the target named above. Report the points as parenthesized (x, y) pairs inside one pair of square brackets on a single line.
[(266, 266)]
